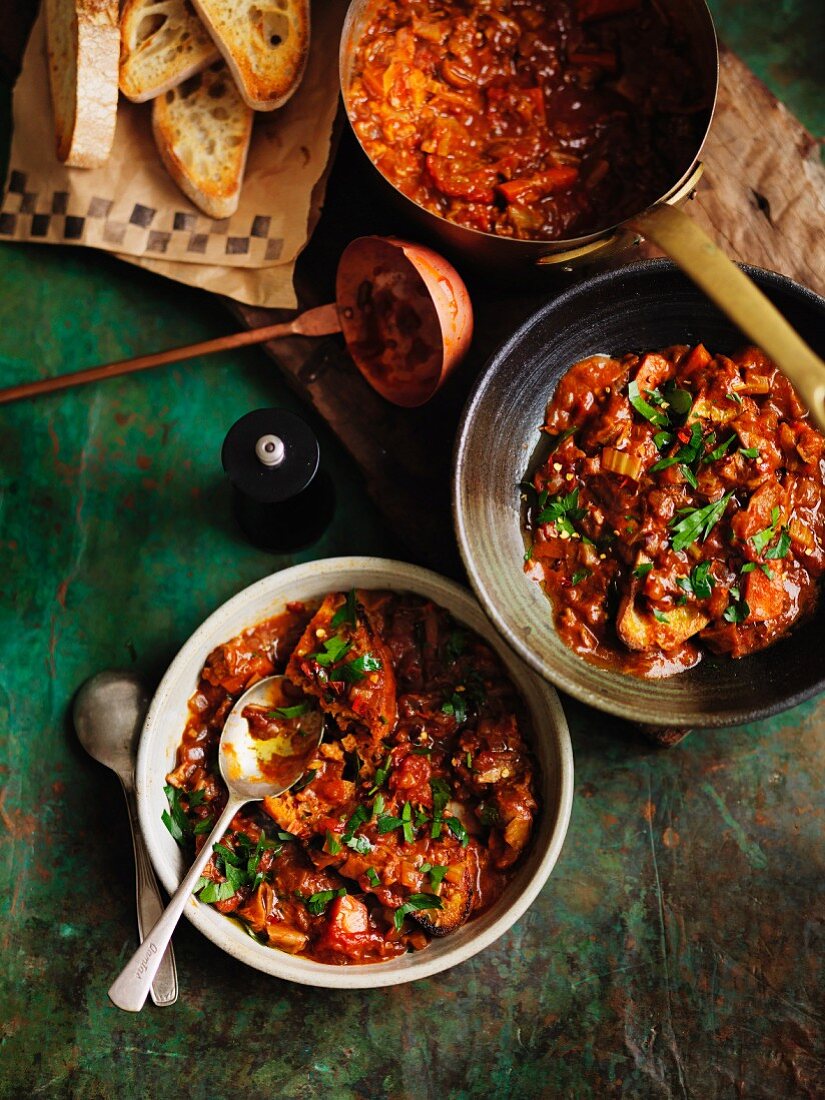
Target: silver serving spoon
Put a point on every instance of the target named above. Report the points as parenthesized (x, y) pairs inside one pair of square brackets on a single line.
[(252, 768), (108, 715)]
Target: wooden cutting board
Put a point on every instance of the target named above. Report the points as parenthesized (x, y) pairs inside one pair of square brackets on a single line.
[(762, 197)]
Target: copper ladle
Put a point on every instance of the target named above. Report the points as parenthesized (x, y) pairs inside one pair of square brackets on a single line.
[(404, 311)]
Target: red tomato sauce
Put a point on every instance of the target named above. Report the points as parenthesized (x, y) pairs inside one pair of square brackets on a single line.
[(414, 813), (536, 119), (681, 508)]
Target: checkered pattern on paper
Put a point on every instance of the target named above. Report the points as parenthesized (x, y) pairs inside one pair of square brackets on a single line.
[(131, 206), (58, 217)]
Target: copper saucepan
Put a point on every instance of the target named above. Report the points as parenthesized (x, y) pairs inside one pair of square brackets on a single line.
[(663, 223)]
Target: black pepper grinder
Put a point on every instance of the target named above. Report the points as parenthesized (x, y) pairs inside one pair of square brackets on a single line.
[(281, 501)]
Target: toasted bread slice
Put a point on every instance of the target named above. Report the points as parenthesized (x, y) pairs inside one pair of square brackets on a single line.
[(265, 43), (202, 130), (342, 660), (162, 43), (84, 47)]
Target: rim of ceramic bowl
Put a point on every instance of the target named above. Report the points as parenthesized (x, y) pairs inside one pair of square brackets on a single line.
[(504, 622), (166, 718)]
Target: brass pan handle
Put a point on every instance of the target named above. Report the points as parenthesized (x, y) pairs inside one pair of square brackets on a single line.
[(738, 297)]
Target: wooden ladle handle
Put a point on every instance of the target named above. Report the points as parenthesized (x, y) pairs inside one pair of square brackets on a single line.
[(739, 298)]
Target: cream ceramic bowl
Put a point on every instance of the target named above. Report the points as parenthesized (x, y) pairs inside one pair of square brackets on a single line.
[(167, 717)]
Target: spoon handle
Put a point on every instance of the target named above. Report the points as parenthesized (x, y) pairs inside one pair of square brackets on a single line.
[(743, 302), (150, 906), (130, 990)]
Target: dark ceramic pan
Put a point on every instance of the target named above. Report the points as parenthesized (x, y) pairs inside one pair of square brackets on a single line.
[(643, 306)]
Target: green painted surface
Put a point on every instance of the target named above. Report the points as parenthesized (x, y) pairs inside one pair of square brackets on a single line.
[(677, 949)]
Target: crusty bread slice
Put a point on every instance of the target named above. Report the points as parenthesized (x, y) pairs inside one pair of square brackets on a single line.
[(202, 130), (84, 48), (163, 43), (265, 43)]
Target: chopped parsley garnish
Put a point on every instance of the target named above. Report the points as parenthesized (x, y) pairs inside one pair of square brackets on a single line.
[(579, 575), (468, 759), (679, 400), (701, 580), (289, 712), (734, 397), (335, 648), (333, 844), (737, 612), (456, 707), (660, 616), (386, 823), (456, 645), (458, 830), (316, 903), (763, 538), (372, 877), (381, 774), (644, 408), (238, 865), (685, 456), (782, 547), (175, 818), (489, 814), (305, 779), (406, 824), (663, 439), (346, 613), (359, 844), (697, 523), (360, 816), (436, 873), (354, 671), (441, 796), (556, 440), (749, 452), (528, 553), (562, 512), (413, 903), (378, 805), (643, 569), (718, 452)]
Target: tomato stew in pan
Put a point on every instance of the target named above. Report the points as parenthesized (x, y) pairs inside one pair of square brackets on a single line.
[(535, 119), (415, 812), (680, 506)]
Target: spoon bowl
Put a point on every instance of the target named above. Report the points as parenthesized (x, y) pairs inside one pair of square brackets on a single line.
[(266, 743)]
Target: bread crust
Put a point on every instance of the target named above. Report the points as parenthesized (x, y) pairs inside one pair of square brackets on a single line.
[(261, 92), (85, 108)]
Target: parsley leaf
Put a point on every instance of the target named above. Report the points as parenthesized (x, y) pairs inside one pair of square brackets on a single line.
[(316, 903), (579, 575), (644, 408), (346, 613), (289, 712), (333, 844), (354, 671), (660, 616), (436, 873), (175, 818), (456, 645), (360, 816), (701, 580), (698, 522), (737, 612), (749, 452), (414, 903), (782, 547), (372, 877), (562, 512), (458, 830), (455, 706), (643, 569), (335, 648), (718, 452), (556, 440)]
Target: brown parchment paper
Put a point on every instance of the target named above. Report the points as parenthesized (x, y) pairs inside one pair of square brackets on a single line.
[(131, 207)]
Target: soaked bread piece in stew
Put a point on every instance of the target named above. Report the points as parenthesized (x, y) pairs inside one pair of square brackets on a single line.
[(342, 660)]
